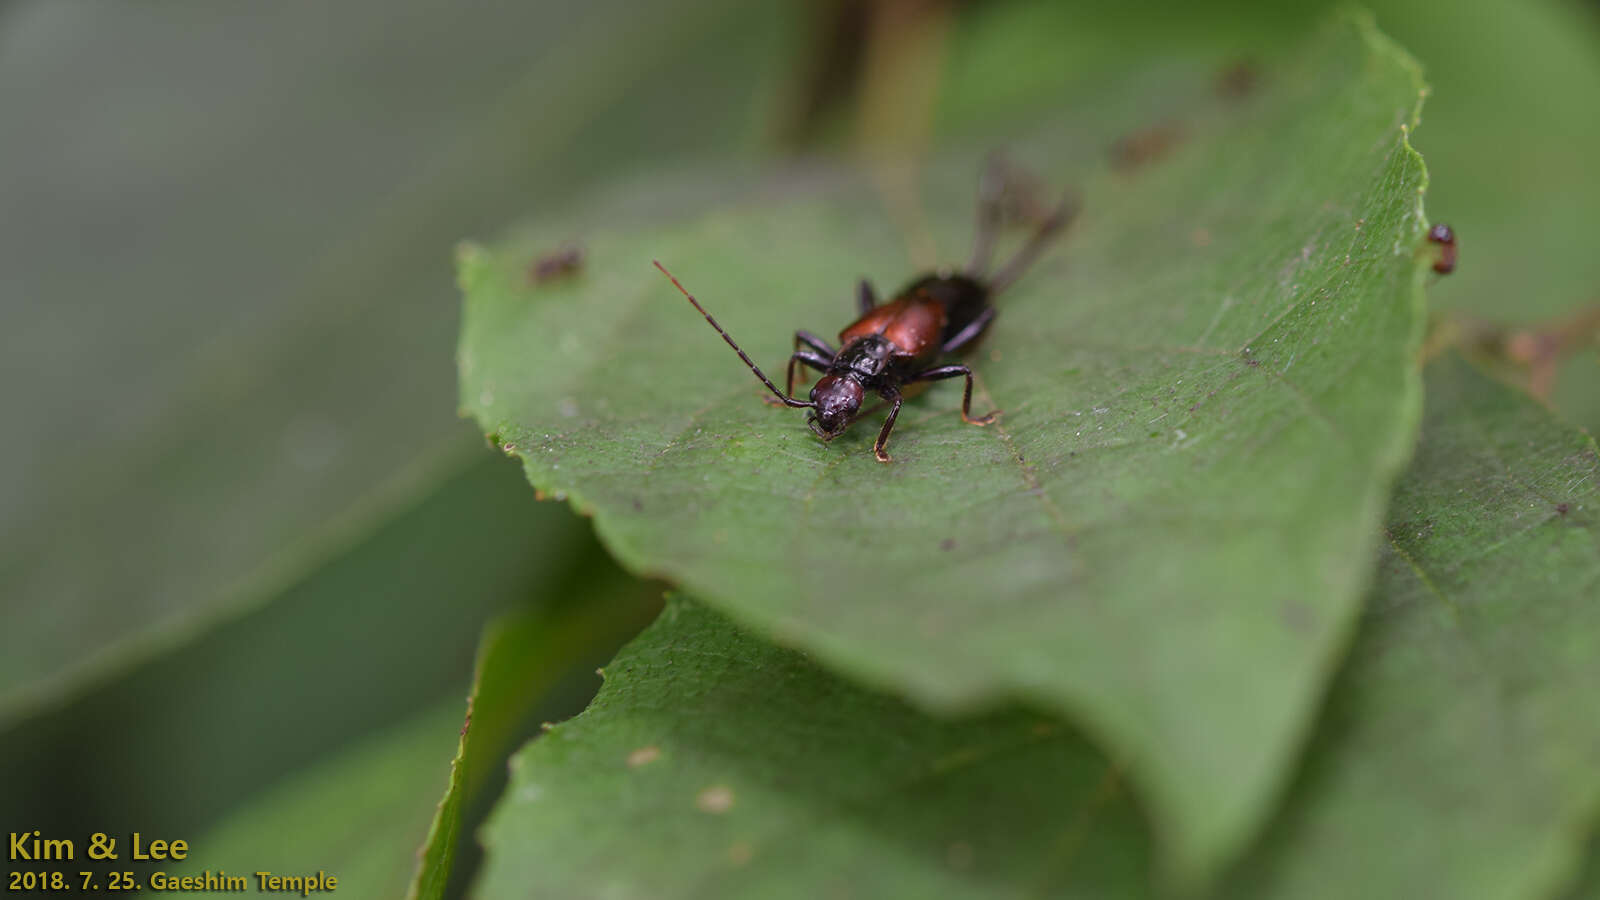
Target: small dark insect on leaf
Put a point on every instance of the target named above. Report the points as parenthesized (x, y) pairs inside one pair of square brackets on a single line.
[(1445, 237), (559, 263), (895, 343)]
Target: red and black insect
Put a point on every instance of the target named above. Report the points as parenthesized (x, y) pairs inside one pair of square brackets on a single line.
[(1445, 237), (893, 345)]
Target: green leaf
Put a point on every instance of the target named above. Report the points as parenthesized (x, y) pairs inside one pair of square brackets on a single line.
[(1586, 885), (235, 267), (1501, 72), (1207, 393), (363, 641), (1454, 759), (716, 765), (521, 659), (357, 816), (1522, 207)]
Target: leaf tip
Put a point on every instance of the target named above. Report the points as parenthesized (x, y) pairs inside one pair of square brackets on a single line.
[(472, 261)]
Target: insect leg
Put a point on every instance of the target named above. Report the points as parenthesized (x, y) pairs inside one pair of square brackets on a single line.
[(991, 191), (866, 297), (893, 397), (939, 373), (825, 354), (807, 339), (970, 333), (1047, 229), (806, 358)]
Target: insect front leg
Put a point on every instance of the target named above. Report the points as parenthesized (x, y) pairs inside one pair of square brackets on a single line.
[(893, 396), (939, 373), (805, 338), (802, 357), (866, 297)]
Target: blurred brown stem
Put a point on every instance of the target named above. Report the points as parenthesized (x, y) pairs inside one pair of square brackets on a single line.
[(900, 81), (1535, 350)]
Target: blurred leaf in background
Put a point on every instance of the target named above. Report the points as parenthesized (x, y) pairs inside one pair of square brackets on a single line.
[(523, 659), (1587, 883), (354, 814), (368, 639), (1506, 131), (1455, 757), (228, 275), (242, 523)]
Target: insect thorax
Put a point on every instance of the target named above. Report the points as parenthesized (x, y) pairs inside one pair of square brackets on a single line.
[(866, 357)]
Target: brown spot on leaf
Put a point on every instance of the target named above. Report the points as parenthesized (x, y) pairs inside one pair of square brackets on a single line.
[(1145, 146), (716, 799), (1238, 80), (644, 756)]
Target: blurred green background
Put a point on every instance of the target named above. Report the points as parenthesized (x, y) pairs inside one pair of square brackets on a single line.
[(249, 548)]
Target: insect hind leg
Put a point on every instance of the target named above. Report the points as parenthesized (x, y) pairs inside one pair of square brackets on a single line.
[(970, 333), (939, 373), (991, 209), (1041, 237)]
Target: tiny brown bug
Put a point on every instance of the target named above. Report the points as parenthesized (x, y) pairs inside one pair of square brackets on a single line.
[(564, 260), (1444, 236), (892, 345)]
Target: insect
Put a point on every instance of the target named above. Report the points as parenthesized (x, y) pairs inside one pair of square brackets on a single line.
[(891, 348), (563, 261), (1445, 237)]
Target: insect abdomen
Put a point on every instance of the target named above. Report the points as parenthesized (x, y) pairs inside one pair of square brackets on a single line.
[(962, 298)]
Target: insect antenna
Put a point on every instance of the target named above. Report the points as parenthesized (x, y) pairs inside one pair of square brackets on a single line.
[(787, 400), (1014, 267)]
